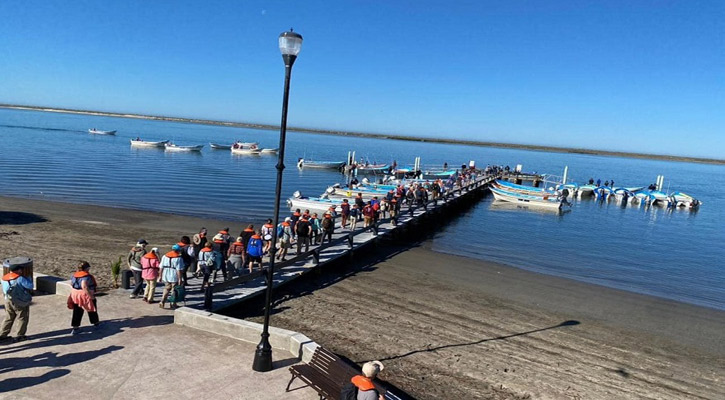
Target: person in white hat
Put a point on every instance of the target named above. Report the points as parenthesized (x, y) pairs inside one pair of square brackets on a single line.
[(364, 383)]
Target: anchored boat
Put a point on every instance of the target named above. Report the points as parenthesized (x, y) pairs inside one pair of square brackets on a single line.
[(145, 143), (302, 163), (176, 148)]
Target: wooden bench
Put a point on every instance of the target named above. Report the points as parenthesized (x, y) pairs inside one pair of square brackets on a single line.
[(327, 374)]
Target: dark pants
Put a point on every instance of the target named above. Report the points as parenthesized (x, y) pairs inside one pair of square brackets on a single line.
[(139, 283), (78, 315), (327, 234)]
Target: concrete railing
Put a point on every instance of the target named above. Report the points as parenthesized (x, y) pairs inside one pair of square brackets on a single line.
[(299, 345)]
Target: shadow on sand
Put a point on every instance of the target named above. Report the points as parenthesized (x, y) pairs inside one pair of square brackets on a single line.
[(19, 218)]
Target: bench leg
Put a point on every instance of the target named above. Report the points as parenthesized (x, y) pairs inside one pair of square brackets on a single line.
[(290, 382)]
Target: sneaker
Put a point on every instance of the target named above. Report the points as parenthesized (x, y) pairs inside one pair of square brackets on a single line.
[(145, 300), (161, 305), (75, 331), (19, 339), (133, 296), (5, 339)]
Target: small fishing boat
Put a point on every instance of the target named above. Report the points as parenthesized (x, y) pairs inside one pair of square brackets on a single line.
[(302, 163), (371, 168), (246, 150), (217, 146), (528, 200), (312, 203), (100, 132), (146, 143), (176, 148), (269, 151), (679, 199)]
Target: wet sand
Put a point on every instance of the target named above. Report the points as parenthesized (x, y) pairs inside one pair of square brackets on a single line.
[(446, 327)]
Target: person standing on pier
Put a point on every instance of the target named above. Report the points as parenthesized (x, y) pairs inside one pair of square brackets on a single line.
[(255, 248), (134, 264), (293, 221), (304, 231), (186, 256), (344, 212), (17, 292), (206, 263), (247, 233), (328, 227), (83, 297), (235, 257), (354, 216), (220, 258), (170, 272), (284, 237), (367, 213), (267, 231), (199, 242), (359, 201)]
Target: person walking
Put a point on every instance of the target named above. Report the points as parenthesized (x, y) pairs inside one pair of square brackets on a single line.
[(17, 290), (354, 216), (235, 257), (315, 224), (198, 241), (83, 297), (220, 261), (304, 231), (255, 251), (284, 236), (206, 263), (267, 231), (134, 264), (186, 256), (246, 234), (150, 265), (328, 227), (170, 273), (344, 212)]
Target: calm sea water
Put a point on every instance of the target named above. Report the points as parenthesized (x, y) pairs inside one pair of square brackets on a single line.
[(677, 255)]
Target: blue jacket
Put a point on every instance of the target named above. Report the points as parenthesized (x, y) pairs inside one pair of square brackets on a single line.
[(254, 247)]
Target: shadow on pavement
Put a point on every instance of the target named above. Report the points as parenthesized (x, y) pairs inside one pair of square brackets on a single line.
[(62, 337), (11, 384)]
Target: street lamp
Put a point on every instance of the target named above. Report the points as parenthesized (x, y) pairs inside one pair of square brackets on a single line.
[(290, 44)]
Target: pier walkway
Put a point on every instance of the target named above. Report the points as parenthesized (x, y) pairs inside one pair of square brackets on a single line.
[(344, 244)]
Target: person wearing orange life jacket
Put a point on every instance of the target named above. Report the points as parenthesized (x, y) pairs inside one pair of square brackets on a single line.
[(171, 267), (246, 234), (206, 263), (304, 232), (150, 265), (220, 257), (134, 264), (83, 297), (235, 257), (364, 383), (224, 244), (293, 222), (267, 231), (12, 282), (328, 227), (284, 238), (186, 255), (255, 251), (198, 240)]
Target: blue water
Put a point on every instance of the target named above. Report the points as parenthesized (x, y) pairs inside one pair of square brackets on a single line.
[(676, 255)]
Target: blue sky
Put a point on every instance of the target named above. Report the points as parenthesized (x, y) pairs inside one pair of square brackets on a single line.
[(643, 76)]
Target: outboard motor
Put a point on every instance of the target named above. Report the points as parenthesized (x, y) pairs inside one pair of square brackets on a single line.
[(297, 194)]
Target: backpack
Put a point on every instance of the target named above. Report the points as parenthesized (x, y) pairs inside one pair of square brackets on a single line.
[(280, 231), (327, 223), (348, 392), (177, 295), (303, 228), (18, 296), (211, 260)]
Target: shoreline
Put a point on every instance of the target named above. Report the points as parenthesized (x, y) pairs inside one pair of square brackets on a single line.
[(513, 146), (479, 330), (181, 225)]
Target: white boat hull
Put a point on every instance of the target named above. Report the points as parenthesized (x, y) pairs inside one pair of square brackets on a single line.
[(183, 149), (246, 151), (97, 132), (530, 201), (143, 143)]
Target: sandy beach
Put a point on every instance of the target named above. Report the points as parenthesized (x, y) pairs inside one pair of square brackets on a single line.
[(446, 327)]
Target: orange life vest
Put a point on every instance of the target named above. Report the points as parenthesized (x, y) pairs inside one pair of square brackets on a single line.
[(150, 255), (172, 254), (10, 276), (362, 382)]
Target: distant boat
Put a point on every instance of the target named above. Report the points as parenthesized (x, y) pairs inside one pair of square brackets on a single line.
[(371, 168), (176, 148), (302, 163), (270, 151), (100, 132), (216, 146), (145, 143), (246, 150)]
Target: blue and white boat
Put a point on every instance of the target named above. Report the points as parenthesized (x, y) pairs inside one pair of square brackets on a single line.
[(312, 203)]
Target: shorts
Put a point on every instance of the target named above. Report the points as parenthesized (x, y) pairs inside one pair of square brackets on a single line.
[(267, 238), (254, 259)]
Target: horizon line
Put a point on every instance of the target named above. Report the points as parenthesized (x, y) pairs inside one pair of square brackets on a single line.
[(248, 125)]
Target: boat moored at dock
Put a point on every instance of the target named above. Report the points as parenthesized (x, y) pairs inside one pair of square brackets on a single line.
[(182, 149)]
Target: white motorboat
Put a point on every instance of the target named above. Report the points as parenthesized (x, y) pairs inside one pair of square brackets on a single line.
[(269, 151), (217, 146), (245, 150), (100, 132), (146, 143), (312, 203), (527, 200), (302, 163), (176, 148)]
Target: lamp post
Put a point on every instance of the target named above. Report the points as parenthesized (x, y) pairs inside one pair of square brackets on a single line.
[(290, 44)]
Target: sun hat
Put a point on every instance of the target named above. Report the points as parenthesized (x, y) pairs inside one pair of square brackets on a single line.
[(371, 368), (218, 237), (288, 219), (155, 249), (240, 239)]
